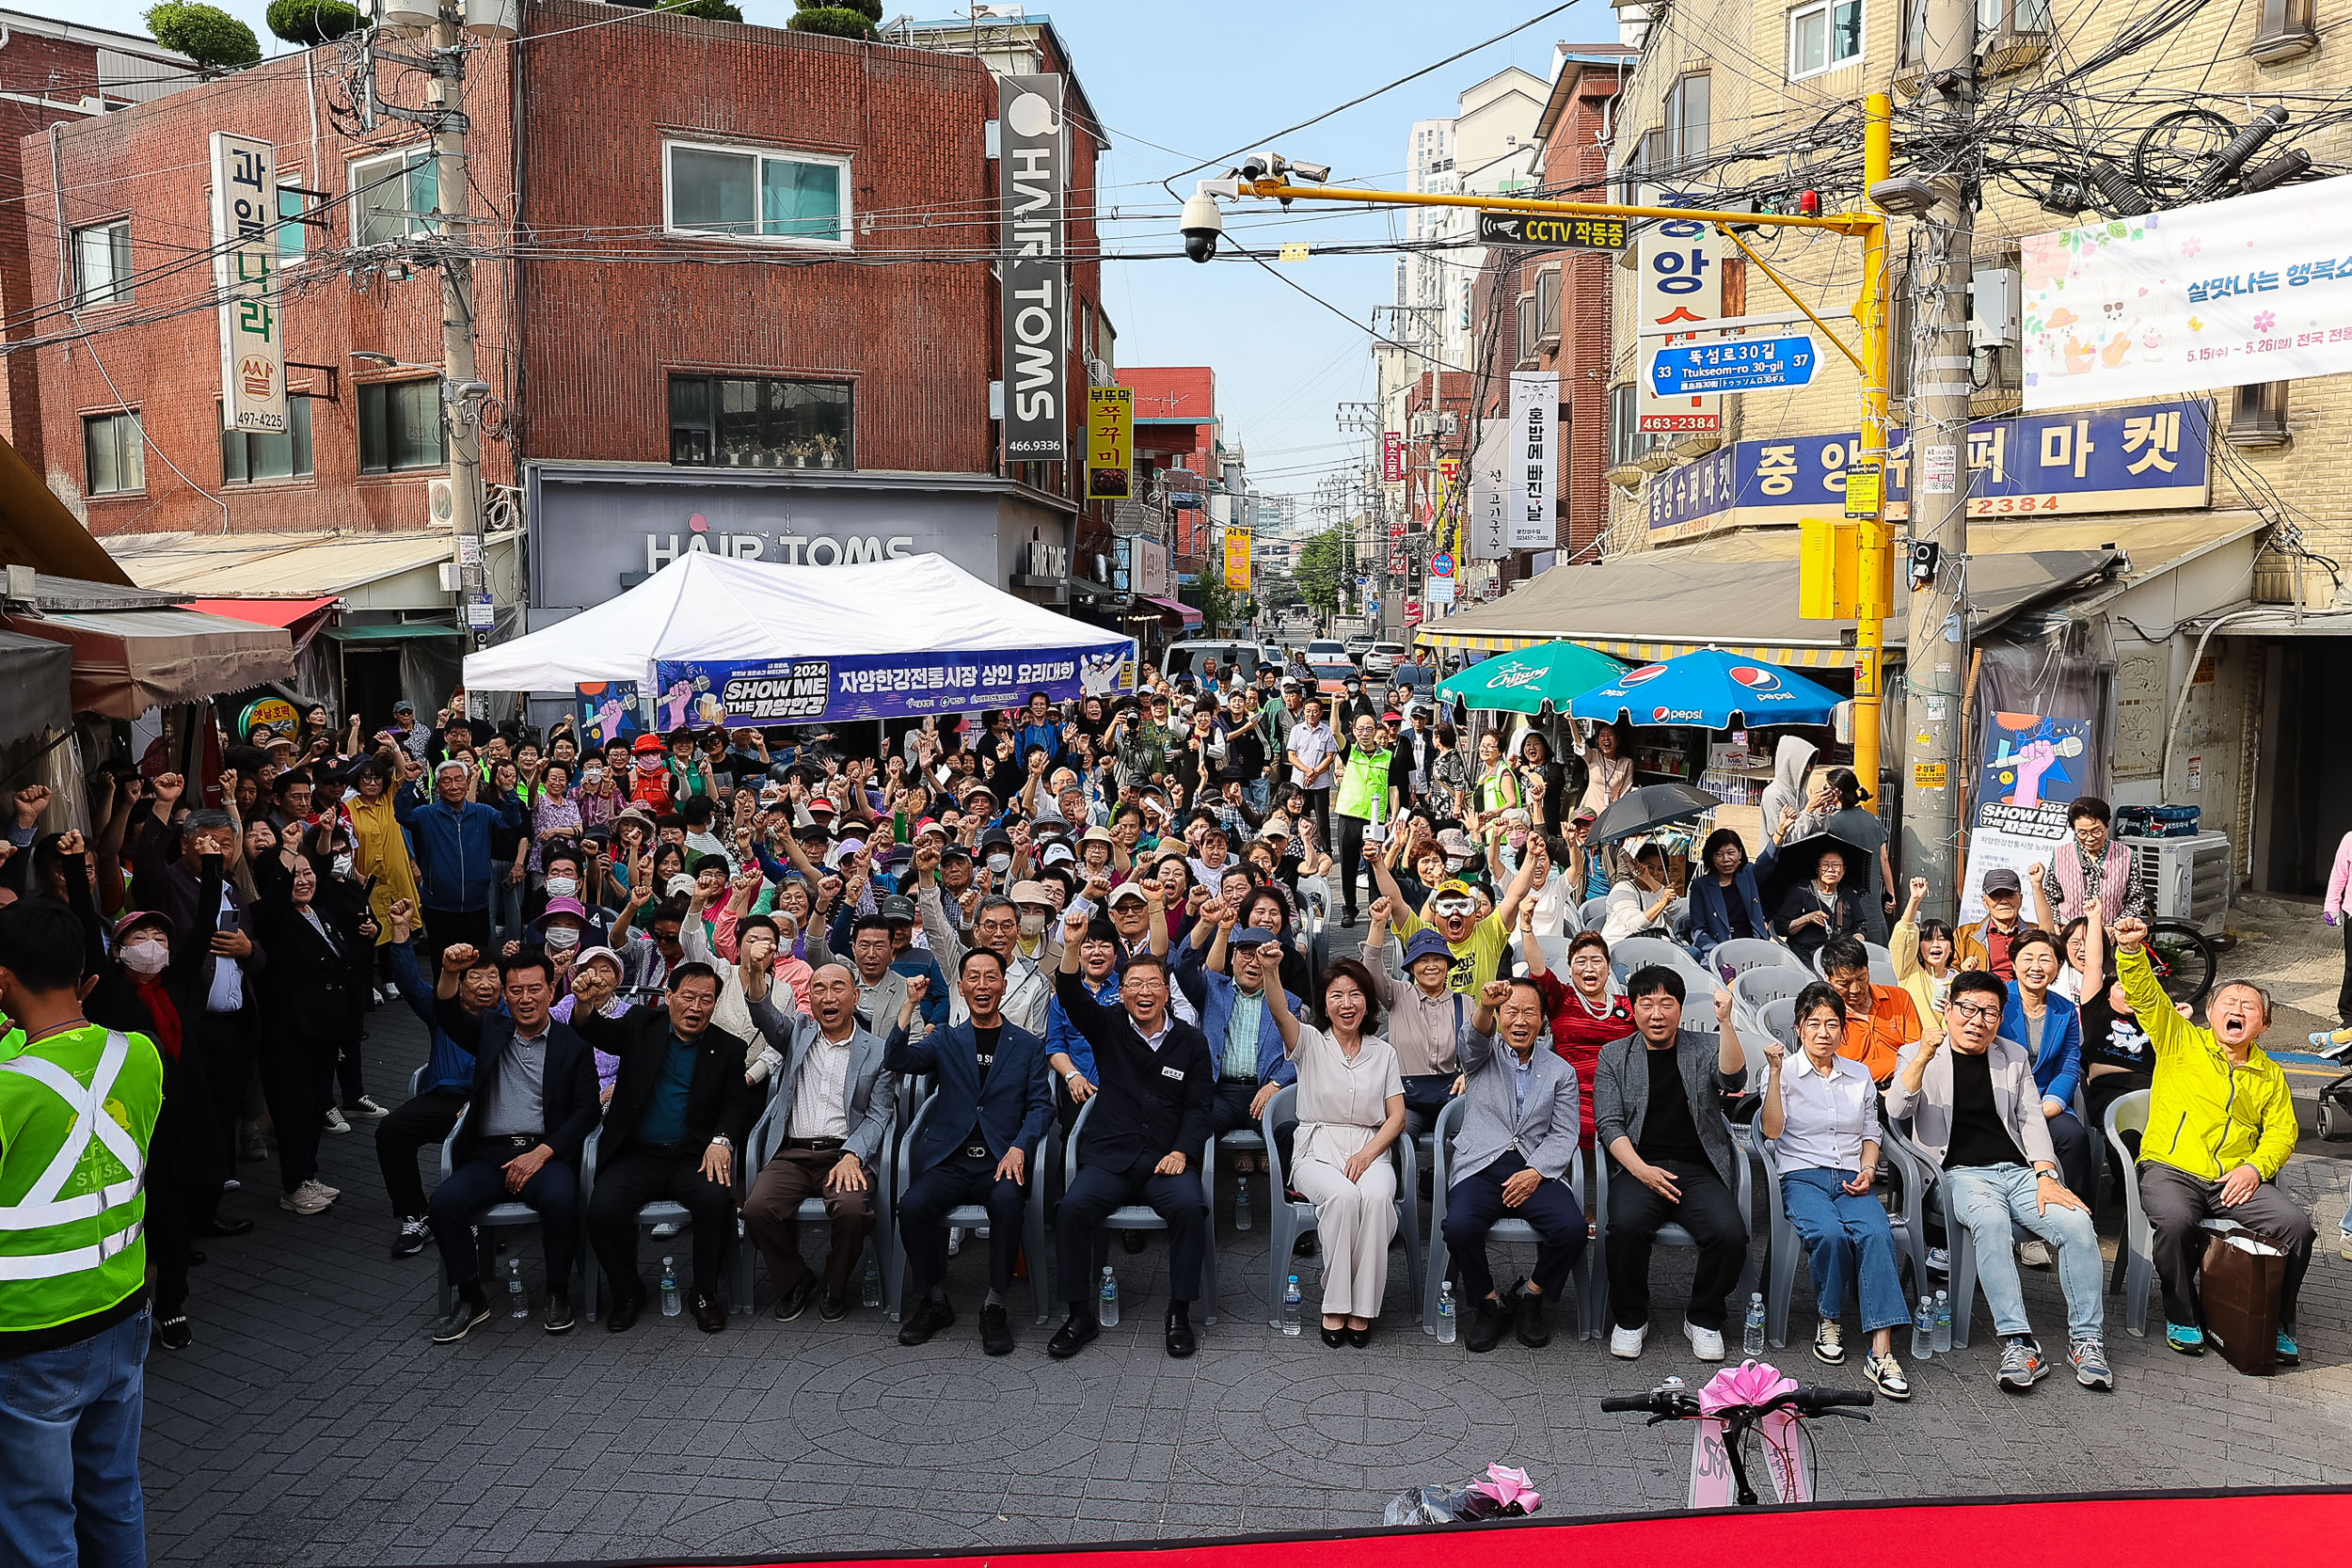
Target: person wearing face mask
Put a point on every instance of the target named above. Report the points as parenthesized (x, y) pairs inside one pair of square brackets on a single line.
[(597, 796), (343, 898), (312, 1013), (1014, 928)]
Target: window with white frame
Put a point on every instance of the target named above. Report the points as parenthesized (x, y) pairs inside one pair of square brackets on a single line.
[(1688, 109), (114, 455), (393, 195), (1824, 36), (752, 194), (102, 265), (294, 235)]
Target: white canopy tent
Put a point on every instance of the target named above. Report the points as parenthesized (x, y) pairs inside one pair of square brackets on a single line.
[(916, 635)]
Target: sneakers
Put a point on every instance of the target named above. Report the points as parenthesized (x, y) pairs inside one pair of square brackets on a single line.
[(366, 1106), (2034, 1253), (1625, 1343), (463, 1317), (1939, 1260), (174, 1333), (2289, 1352), (2343, 1246), (1829, 1342), (930, 1318), (995, 1331), (330, 1193), (1527, 1317), (1706, 1343), (558, 1318), (2091, 1364), (335, 1122), (307, 1199), (2187, 1338), (252, 1143), (955, 1241), (414, 1233), (2023, 1365), (1489, 1321), (1886, 1375)]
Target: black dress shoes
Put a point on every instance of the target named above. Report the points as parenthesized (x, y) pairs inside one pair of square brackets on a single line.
[(1180, 1340), (995, 1331), (622, 1315), (224, 1228), (930, 1316), (710, 1314), (1527, 1312), (1077, 1332)]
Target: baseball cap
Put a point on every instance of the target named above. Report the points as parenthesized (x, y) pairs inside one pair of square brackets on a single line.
[(896, 907), (1252, 936), (2002, 880), (1031, 892), (677, 884), (822, 806), (606, 954), (1454, 887), (1127, 892), (930, 825), (1058, 853), (567, 905), (1276, 827), (404, 705)]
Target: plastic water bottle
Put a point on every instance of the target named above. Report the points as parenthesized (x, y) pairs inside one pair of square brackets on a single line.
[(1107, 1310), (1942, 1323), (1290, 1305), (517, 1303), (1241, 1204), (1445, 1313), (1923, 1329), (668, 1288), (1752, 1339), (869, 1289)]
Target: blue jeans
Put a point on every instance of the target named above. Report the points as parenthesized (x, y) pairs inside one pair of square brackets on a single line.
[(1986, 1199), (70, 1429), (1845, 1234)]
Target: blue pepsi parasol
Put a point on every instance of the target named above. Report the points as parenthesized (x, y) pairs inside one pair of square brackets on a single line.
[(1709, 689)]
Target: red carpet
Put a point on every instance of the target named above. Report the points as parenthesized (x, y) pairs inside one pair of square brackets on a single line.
[(2147, 1530)]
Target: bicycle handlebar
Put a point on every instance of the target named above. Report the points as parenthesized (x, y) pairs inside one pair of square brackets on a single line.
[(1683, 1403), (1616, 1404), (1813, 1401)]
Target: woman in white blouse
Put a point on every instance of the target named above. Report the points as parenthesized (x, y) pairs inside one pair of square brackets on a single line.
[(1822, 1111), (1351, 1108)]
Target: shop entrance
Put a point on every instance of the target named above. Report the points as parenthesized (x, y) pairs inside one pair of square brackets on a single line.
[(2302, 808)]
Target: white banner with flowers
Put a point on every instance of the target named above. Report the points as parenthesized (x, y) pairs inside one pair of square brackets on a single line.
[(2227, 293)]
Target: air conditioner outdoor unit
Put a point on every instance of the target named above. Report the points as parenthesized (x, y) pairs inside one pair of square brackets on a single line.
[(1424, 426), (2188, 879)]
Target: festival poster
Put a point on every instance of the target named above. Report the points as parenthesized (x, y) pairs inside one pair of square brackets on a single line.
[(2031, 759), (697, 694), (607, 711)]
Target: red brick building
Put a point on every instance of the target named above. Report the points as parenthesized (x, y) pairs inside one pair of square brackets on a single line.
[(1176, 427), (732, 290)]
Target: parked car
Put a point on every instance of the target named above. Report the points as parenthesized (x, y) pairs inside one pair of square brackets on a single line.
[(1187, 656), (1357, 647), (1331, 676), (1382, 658), (1326, 650)]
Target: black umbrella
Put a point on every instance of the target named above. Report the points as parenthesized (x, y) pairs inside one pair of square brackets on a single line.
[(1651, 806), (1796, 860)]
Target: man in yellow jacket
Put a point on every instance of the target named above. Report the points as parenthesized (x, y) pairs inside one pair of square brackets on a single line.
[(2220, 1124), (77, 1110)]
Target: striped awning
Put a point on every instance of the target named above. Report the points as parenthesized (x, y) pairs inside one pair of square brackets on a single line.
[(1641, 652)]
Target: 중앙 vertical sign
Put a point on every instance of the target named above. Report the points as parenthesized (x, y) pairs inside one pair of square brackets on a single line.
[(1031, 176), (245, 252), (1111, 442), (1532, 470), (1681, 267)]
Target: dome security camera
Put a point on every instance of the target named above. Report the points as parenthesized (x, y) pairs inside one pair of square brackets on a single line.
[(1200, 224)]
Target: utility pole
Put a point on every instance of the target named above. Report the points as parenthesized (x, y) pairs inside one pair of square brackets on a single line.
[(460, 398), (1935, 656)]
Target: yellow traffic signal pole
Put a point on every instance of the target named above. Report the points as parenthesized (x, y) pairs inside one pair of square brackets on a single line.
[(1875, 547)]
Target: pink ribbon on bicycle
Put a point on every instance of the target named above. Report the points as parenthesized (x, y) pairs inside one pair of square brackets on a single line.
[(1748, 1382)]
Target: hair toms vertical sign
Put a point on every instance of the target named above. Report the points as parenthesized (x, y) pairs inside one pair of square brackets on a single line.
[(1032, 175)]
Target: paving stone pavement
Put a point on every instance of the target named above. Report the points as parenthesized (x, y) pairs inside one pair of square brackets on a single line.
[(312, 1423)]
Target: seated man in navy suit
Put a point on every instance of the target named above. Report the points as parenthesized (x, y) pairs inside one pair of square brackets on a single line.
[(1149, 1120), (978, 1142), (531, 1109)]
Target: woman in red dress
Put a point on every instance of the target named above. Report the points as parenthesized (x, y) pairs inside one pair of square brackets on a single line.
[(1586, 1015)]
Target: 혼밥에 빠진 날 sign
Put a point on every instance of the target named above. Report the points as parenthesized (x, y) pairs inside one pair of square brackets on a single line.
[(2221, 293)]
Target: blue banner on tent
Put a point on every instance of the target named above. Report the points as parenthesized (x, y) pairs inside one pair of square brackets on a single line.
[(697, 694)]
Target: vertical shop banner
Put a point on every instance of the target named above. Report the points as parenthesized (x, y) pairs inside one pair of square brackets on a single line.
[(1534, 460), (1237, 560), (1149, 561), (1391, 457), (1487, 534), (1031, 176), (1681, 273), (2218, 294), (1111, 442), (245, 255)]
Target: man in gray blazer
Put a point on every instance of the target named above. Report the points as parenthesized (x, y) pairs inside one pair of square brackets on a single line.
[(1519, 1129), (835, 1102), (1974, 1110), (1657, 1109)]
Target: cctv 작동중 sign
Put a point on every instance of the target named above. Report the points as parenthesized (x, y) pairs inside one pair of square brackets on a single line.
[(1551, 230), (1031, 183)]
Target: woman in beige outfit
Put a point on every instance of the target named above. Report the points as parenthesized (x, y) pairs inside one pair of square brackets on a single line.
[(1351, 1108)]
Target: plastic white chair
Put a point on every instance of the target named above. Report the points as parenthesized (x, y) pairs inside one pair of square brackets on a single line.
[(1634, 953), (509, 1215), (1736, 955), (1440, 1263), (969, 1215), (1288, 1219), (1669, 1235), (2137, 1264), (1141, 1216)]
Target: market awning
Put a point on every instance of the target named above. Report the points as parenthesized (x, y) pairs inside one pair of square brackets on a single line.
[(1182, 612), (369, 571), (281, 613), (398, 632), (37, 530), (126, 661), (34, 678)]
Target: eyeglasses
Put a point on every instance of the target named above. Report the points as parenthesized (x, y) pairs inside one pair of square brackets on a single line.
[(1975, 1011)]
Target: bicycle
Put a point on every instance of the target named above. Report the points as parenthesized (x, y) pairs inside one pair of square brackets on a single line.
[(1718, 1450), (2185, 959)]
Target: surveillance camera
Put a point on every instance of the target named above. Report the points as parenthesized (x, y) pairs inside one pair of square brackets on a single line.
[(1905, 194), (1200, 224), (1314, 174), (469, 391), (1256, 167)]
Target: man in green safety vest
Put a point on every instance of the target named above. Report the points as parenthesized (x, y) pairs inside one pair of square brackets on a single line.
[(1366, 799), (77, 1108)]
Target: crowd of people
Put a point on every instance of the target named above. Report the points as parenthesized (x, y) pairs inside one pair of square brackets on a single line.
[(643, 962)]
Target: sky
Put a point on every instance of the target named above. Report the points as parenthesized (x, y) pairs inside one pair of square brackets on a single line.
[(1176, 84)]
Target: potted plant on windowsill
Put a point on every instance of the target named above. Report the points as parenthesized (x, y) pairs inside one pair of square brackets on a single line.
[(798, 452), (828, 452)]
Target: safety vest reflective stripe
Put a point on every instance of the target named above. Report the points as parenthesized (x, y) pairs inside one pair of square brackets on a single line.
[(41, 1207), (49, 1265)]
